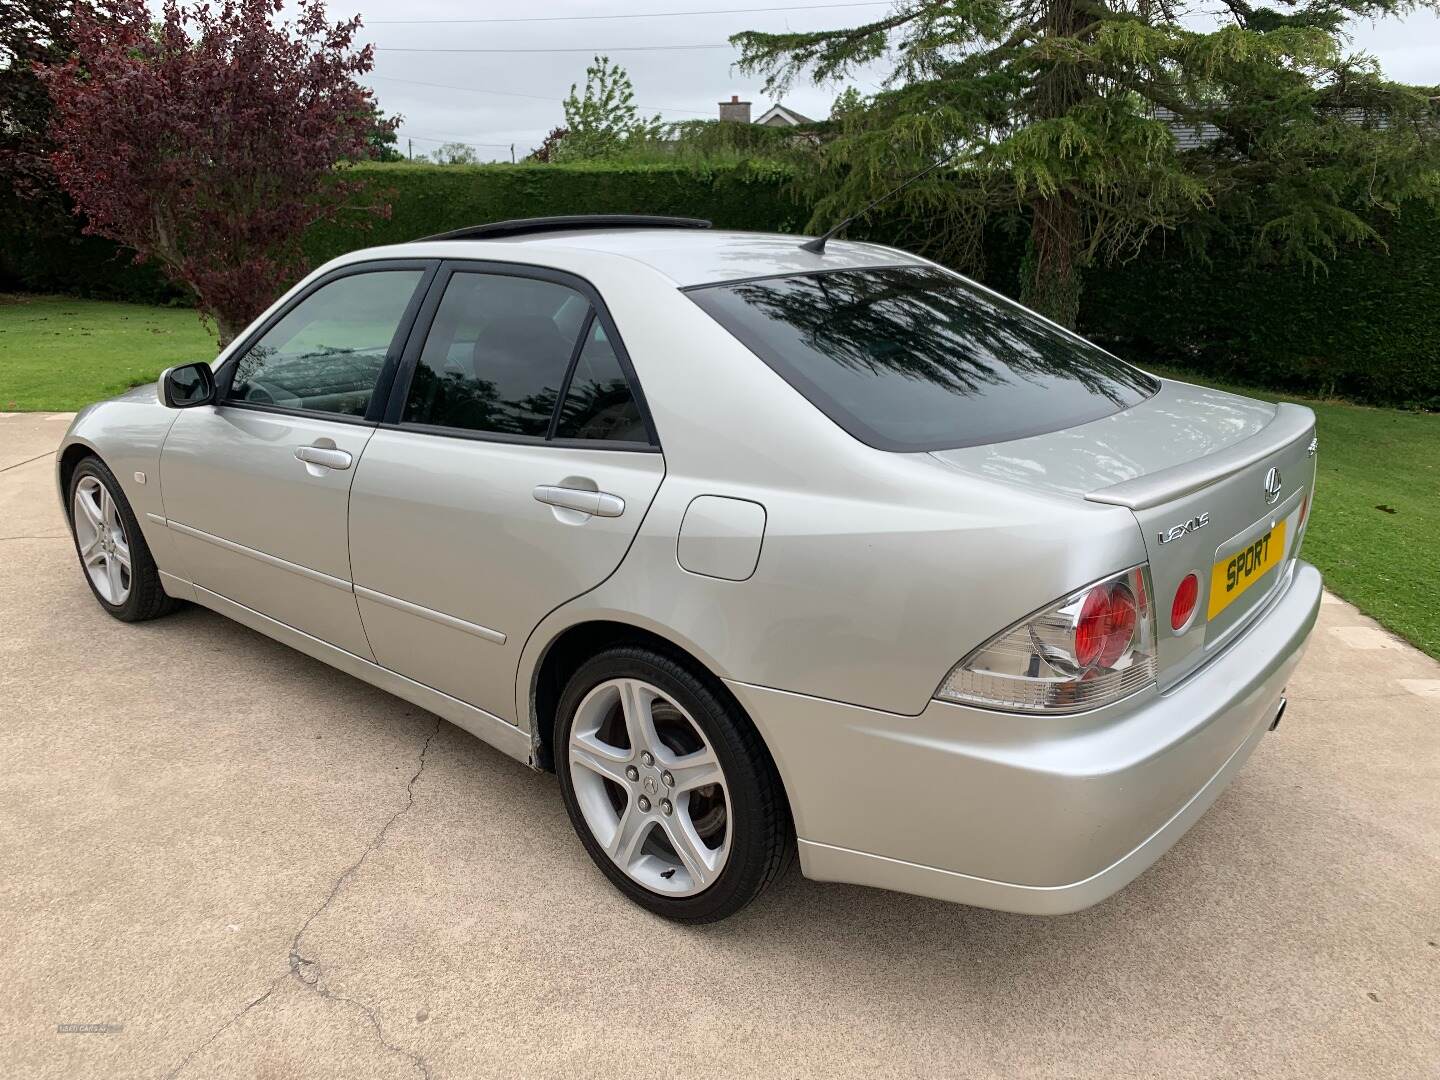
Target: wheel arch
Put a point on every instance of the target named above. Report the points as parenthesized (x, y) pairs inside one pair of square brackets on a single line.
[(66, 462), (570, 646)]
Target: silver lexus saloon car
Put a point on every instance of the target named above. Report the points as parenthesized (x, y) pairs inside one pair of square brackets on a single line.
[(760, 548)]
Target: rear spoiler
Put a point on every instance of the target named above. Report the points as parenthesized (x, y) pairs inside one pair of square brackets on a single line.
[(1291, 422)]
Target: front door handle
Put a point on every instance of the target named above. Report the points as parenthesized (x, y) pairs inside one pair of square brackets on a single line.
[(599, 503), (325, 457)]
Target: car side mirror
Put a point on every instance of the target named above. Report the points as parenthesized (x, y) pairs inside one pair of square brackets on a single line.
[(188, 385)]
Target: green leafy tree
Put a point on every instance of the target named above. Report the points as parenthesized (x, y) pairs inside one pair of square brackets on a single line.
[(1069, 111), (383, 136), (847, 101), (603, 122), (454, 153)]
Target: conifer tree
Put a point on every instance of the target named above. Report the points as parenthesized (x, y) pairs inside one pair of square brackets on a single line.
[(1072, 110)]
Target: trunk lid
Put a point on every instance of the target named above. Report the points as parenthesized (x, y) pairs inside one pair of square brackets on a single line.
[(1195, 468)]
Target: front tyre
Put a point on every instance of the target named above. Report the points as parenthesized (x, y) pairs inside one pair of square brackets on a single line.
[(113, 554), (669, 787)]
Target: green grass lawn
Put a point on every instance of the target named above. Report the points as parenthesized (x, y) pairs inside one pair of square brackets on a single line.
[(58, 353), (1377, 508)]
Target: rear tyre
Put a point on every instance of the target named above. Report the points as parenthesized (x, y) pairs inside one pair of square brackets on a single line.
[(669, 787), (113, 555)]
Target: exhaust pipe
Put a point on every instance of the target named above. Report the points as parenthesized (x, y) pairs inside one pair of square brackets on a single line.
[(1278, 713)]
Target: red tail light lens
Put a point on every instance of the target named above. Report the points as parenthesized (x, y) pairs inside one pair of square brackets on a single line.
[(1106, 625), (1088, 649), (1183, 606)]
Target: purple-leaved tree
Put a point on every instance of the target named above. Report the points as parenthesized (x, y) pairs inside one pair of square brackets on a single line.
[(209, 140)]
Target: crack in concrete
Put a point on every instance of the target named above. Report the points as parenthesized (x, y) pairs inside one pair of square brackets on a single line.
[(306, 970), (57, 536), (295, 956), (226, 1026), (27, 461), (415, 1059)]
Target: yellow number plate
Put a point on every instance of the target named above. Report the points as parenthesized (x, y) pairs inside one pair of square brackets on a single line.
[(1235, 573)]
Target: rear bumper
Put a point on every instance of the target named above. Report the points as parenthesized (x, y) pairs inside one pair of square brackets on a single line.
[(1042, 816)]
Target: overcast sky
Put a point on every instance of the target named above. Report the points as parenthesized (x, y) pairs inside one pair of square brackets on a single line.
[(515, 96)]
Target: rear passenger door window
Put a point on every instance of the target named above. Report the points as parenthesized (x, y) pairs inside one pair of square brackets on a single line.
[(496, 355), (503, 351)]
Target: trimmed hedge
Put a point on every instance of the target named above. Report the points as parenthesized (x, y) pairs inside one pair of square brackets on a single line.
[(42, 250), (1368, 329), (429, 199), (45, 252)]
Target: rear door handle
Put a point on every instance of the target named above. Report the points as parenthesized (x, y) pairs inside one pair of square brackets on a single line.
[(599, 503), (324, 456)]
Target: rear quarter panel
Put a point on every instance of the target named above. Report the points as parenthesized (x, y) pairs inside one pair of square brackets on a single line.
[(877, 571), (859, 600)]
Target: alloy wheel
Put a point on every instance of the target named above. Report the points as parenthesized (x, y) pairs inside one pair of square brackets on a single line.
[(650, 787), (103, 543)]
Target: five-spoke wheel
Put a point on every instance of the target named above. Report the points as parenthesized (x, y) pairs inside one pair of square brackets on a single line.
[(650, 787), (100, 536), (668, 785), (117, 564)]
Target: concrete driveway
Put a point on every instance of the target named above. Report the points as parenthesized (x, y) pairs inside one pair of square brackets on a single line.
[(253, 866)]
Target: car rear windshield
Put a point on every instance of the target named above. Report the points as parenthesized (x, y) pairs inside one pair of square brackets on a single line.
[(914, 358)]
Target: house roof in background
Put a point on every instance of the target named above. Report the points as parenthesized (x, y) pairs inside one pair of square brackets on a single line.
[(786, 116)]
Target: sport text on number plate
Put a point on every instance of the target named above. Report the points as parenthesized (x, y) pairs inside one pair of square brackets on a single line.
[(1235, 573)]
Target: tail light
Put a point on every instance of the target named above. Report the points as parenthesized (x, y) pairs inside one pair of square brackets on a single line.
[(1106, 626), (1093, 647)]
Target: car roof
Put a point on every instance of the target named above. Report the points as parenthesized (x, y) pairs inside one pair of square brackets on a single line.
[(686, 256)]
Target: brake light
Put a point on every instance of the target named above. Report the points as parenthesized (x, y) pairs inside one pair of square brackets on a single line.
[(1093, 647), (1183, 606), (1107, 623)]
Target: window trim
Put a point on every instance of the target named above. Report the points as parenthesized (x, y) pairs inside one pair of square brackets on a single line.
[(575, 351), (392, 417), (384, 381)]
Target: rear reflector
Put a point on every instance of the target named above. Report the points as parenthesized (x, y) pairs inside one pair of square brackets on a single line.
[(1186, 593)]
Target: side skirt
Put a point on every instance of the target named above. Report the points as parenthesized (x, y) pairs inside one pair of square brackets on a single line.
[(505, 737)]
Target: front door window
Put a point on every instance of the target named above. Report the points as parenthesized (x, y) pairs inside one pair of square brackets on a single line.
[(326, 353)]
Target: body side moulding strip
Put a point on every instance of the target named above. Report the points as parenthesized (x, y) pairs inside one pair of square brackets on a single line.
[(483, 632), (260, 556)]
